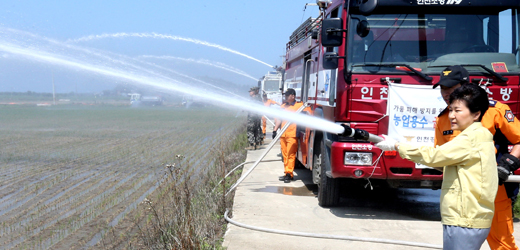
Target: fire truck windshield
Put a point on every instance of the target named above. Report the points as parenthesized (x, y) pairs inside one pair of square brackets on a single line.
[(430, 42), (272, 85)]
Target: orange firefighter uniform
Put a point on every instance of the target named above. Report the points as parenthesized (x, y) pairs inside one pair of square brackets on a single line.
[(267, 103), (505, 129), (289, 140)]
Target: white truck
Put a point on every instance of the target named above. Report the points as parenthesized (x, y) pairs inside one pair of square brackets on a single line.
[(140, 100), (271, 84)]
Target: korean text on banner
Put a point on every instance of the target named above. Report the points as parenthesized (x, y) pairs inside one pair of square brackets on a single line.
[(412, 110)]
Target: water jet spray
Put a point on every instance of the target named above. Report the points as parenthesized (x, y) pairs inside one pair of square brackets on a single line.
[(163, 36), (205, 62), (165, 83), (152, 79)]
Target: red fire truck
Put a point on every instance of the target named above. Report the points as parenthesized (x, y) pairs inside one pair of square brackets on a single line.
[(343, 63)]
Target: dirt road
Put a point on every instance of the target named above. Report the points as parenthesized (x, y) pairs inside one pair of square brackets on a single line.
[(262, 200)]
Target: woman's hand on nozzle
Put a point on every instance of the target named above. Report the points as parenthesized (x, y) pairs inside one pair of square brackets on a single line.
[(389, 144)]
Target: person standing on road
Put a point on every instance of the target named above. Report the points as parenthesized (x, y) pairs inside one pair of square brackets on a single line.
[(253, 122), (288, 140), (267, 103), (470, 180), (504, 126)]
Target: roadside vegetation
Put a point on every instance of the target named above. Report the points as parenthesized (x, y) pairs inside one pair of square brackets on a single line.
[(516, 209), (186, 211)]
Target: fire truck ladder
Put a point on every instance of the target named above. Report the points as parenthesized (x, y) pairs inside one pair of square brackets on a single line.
[(303, 31)]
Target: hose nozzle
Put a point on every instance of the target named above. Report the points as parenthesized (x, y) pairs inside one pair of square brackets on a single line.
[(359, 134)]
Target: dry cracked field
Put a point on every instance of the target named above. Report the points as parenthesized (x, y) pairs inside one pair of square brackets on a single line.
[(70, 174)]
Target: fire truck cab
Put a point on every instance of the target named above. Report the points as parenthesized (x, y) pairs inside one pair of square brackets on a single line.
[(270, 84), (347, 62)]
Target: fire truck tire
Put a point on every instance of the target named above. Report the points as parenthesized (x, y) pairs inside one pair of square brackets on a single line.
[(316, 169), (328, 188)]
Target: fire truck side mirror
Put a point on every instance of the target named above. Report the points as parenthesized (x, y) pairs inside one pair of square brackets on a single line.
[(332, 32), (366, 7), (330, 60), (363, 28), (314, 34)]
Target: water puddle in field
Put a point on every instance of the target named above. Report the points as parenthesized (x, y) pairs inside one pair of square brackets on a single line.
[(296, 191), (98, 236)]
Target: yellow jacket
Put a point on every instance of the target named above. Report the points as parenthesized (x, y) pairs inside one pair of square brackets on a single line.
[(470, 180)]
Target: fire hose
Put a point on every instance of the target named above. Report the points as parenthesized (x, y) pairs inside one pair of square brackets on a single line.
[(266, 118), (329, 236), (348, 131), (364, 135), (264, 153)]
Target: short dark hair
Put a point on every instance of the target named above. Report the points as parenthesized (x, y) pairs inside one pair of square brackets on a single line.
[(289, 92), (475, 98)]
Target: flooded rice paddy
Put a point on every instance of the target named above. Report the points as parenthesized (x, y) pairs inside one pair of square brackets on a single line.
[(67, 175)]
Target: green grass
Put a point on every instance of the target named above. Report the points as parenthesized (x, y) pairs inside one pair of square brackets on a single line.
[(516, 208)]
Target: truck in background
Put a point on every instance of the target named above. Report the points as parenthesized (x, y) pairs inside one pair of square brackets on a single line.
[(137, 100), (348, 63), (271, 84)]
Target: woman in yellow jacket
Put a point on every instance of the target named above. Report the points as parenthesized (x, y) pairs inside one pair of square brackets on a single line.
[(470, 180), (505, 128)]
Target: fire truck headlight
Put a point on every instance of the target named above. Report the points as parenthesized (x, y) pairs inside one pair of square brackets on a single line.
[(355, 158)]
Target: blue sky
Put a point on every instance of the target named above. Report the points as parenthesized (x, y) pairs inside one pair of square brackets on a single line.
[(259, 29)]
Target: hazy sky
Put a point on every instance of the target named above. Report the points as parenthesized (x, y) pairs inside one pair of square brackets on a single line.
[(258, 29)]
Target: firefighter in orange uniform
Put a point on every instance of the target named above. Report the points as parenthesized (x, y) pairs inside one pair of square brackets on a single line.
[(504, 126), (289, 139), (267, 103)]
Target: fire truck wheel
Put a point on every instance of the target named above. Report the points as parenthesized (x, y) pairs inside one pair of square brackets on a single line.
[(316, 169), (328, 188)]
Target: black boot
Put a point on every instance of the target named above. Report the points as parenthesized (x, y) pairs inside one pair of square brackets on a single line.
[(287, 178)]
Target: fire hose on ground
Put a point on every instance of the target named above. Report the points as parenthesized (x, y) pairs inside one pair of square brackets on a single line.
[(357, 134), (329, 236), (269, 147)]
